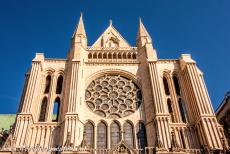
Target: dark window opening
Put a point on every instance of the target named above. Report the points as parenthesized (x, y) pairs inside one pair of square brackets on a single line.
[(59, 85), (166, 86), (48, 83), (182, 110), (170, 109), (176, 85), (141, 137), (42, 116)]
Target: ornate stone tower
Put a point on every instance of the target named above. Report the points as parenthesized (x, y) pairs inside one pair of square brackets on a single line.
[(112, 97)]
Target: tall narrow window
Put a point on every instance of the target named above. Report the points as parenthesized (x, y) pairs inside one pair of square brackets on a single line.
[(170, 109), (42, 116), (101, 136), (166, 86), (59, 85), (141, 137), (176, 85), (182, 139), (89, 134), (115, 134), (183, 110), (56, 110), (48, 83), (128, 134)]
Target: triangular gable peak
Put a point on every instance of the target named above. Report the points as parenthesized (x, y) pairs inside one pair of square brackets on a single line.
[(111, 38)]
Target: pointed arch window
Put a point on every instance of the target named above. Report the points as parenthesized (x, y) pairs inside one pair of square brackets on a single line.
[(115, 134), (176, 85), (101, 136), (90, 56), (100, 56), (59, 84), (43, 109), (128, 134), (141, 137), (119, 56), (56, 110), (47, 85), (166, 86), (104, 56), (170, 109), (109, 56), (95, 55), (89, 134), (183, 110)]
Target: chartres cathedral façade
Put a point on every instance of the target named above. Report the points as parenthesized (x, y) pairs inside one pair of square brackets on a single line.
[(113, 98)]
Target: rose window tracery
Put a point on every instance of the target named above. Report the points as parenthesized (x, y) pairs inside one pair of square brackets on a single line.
[(113, 96)]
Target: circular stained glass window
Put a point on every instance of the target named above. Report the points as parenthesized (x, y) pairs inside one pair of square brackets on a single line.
[(113, 96)]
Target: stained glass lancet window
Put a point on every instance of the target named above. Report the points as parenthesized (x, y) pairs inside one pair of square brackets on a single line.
[(115, 134), (101, 136), (89, 134), (128, 134)]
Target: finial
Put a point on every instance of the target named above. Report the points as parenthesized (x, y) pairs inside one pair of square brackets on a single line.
[(110, 22), (81, 14), (140, 19)]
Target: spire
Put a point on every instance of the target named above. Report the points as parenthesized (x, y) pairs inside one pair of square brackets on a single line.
[(144, 40), (80, 29), (143, 36), (79, 35)]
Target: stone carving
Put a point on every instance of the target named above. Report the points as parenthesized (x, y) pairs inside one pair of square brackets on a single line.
[(113, 96)]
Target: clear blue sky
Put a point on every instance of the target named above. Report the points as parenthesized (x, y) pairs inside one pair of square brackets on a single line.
[(198, 27)]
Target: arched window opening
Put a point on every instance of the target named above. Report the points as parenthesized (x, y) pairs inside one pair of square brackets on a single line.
[(100, 56), (115, 134), (109, 56), (183, 110), (101, 136), (89, 134), (123, 55), (56, 110), (119, 56), (104, 56), (141, 137), (134, 56), (129, 56), (170, 109), (48, 83), (42, 116), (114, 56), (95, 55), (128, 134), (59, 85), (182, 139), (176, 85), (89, 56), (166, 86)]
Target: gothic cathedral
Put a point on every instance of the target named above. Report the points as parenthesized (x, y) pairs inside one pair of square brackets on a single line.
[(112, 98)]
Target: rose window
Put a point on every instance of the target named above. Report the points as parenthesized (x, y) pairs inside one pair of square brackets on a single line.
[(113, 96)]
